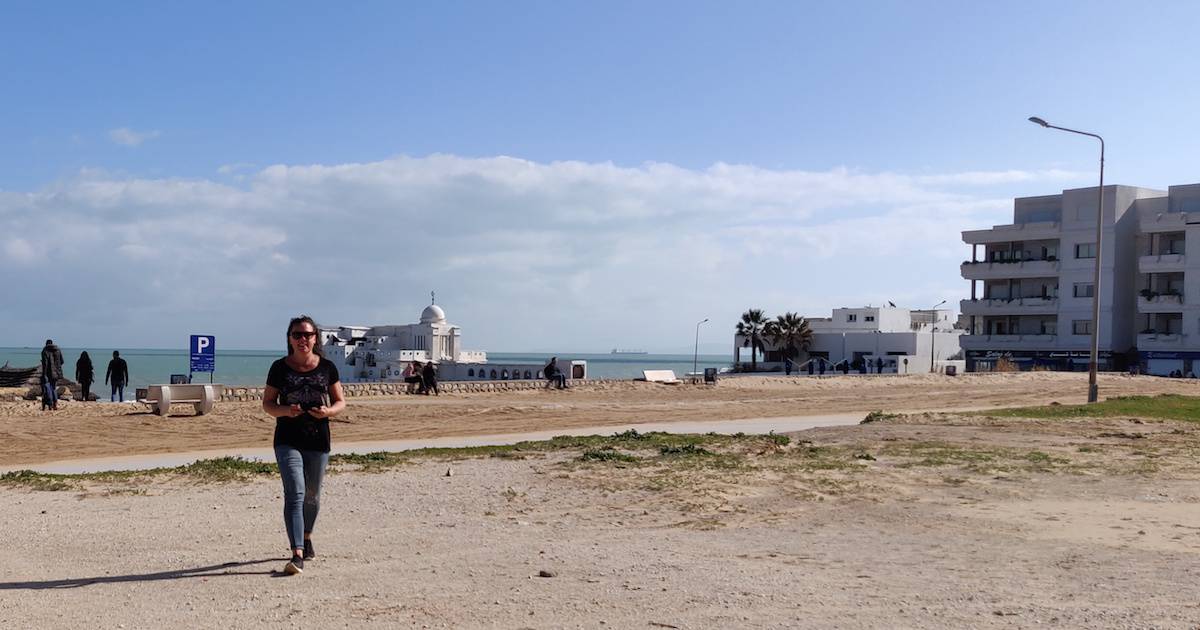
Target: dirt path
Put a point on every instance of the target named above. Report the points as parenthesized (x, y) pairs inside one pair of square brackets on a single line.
[(81, 430)]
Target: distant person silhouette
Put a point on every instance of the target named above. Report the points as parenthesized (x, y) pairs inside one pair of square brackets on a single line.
[(118, 375), (554, 376), (85, 375), (52, 360), (429, 374)]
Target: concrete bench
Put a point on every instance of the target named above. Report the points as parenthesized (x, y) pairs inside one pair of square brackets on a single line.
[(202, 396), (660, 376)]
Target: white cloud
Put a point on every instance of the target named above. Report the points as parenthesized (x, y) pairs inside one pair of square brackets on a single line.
[(524, 255), (127, 137), (19, 250)]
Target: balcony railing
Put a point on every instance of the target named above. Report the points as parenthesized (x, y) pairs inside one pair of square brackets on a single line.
[(1160, 340), (1001, 341), (1161, 262), (988, 270), (1162, 221), (1042, 230), (1152, 302), (984, 306)]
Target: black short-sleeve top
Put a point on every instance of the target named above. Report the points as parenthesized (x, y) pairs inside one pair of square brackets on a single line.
[(309, 388)]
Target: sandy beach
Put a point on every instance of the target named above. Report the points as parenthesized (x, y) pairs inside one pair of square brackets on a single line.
[(930, 519), (86, 430)]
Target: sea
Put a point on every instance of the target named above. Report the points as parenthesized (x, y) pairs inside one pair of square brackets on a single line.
[(249, 367)]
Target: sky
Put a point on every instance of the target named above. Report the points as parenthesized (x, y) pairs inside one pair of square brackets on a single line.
[(567, 176)]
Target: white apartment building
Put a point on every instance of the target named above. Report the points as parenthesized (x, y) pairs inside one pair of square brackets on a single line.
[(1032, 282), (889, 339)]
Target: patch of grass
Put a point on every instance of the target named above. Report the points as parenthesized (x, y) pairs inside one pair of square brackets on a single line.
[(1165, 407), (606, 455), (877, 416), (226, 469), (710, 451), (37, 481), (685, 449)]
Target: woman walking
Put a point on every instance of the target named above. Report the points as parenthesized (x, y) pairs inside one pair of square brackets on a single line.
[(85, 375), (303, 391)]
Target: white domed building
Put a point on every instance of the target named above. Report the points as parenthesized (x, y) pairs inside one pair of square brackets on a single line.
[(380, 353)]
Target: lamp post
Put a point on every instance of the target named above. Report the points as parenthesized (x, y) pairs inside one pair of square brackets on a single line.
[(696, 351), (933, 334), (1093, 390)]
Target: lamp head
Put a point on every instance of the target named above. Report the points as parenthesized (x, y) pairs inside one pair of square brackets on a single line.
[(1035, 119)]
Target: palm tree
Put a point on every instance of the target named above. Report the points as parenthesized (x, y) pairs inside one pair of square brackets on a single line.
[(789, 332), (751, 329)]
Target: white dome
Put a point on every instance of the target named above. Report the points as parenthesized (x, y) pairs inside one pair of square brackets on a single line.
[(433, 313)]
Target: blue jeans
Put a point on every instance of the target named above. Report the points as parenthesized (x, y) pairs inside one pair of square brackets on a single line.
[(118, 391), (49, 393), (302, 472)]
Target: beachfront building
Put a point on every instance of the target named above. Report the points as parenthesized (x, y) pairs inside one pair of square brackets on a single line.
[(380, 353), (874, 339), (1032, 282)]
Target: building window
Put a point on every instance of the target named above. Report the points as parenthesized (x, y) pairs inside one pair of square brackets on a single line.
[(1085, 289), (528, 374), (471, 372), (851, 318), (1081, 327), (869, 318), (1085, 250)]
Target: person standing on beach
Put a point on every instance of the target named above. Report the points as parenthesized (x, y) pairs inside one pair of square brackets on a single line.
[(303, 391), (118, 374), (52, 360), (429, 375), (85, 375)]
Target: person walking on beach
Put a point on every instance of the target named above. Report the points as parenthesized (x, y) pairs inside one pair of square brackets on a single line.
[(117, 374), (429, 375), (52, 360), (85, 375), (303, 391)]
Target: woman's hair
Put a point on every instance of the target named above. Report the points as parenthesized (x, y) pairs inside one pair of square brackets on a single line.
[(304, 319)]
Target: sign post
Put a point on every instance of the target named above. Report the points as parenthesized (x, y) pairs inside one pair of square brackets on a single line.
[(203, 350)]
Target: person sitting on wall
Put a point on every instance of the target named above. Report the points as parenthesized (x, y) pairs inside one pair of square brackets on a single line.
[(412, 376), (554, 376)]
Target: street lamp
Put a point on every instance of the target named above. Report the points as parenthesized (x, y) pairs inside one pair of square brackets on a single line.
[(933, 333), (1093, 391), (696, 352)]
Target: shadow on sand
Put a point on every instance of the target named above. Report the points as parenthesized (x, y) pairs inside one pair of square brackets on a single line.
[(215, 570)]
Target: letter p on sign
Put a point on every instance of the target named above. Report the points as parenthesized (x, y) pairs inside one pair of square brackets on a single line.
[(202, 344)]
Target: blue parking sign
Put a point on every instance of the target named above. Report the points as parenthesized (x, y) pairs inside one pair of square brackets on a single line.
[(203, 350)]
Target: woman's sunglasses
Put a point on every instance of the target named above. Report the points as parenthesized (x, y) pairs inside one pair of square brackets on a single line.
[(303, 334)]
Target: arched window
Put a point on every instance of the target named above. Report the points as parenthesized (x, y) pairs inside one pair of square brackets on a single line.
[(527, 374), (504, 374), (471, 372), (493, 373)]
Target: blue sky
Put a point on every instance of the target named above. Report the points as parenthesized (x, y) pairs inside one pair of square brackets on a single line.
[(568, 176)]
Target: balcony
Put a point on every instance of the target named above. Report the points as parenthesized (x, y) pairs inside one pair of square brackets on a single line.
[(983, 270), (1161, 341), (1009, 342), (1150, 302), (1161, 263), (1010, 306), (1013, 232), (1150, 221)]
